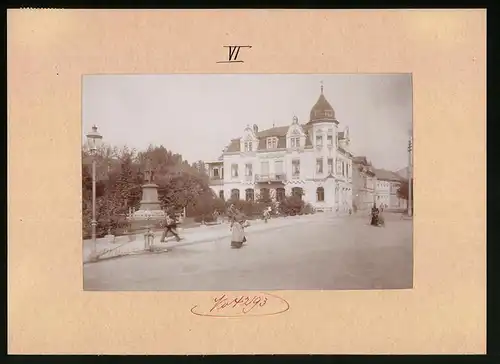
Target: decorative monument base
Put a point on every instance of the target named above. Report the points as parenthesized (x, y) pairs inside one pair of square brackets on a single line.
[(141, 219), (150, 215)]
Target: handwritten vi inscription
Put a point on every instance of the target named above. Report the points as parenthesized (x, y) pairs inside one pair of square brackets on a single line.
[(233, 53), (234, 305)]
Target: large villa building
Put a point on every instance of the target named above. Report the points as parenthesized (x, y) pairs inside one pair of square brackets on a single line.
[(311, 160)]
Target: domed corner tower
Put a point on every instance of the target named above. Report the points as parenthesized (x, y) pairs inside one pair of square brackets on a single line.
[(322, 122), (322, 111), (322, 129)]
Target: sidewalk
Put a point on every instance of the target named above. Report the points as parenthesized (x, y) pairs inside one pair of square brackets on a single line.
[(123, 245), (208, 233)]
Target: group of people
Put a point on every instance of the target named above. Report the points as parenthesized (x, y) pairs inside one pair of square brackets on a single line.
[(237, 220)]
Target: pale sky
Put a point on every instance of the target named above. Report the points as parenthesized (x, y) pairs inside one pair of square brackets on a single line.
[(197, 115)]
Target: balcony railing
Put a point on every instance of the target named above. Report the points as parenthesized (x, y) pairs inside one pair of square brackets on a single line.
[(215, 180), (272, 177)]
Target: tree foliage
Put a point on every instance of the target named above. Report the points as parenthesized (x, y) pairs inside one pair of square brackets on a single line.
[(291, 205), (266, 196), (404, 189), (181, 186), (120, 175)]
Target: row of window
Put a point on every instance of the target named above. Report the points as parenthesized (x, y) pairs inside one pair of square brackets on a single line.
[(272, 142), (342, 168), (265, 193), (387, 184), (321, 113), (264, 168), (319, 141), (280, 194)]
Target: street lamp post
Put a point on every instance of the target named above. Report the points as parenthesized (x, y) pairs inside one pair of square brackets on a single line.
[(94, 139), (410, 177)]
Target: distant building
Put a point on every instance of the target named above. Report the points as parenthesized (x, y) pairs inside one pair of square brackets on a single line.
[(386, 189), (363, 182), (310, 160)]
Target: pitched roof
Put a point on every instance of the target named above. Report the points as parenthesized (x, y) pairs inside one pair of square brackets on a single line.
[(274, 131), (234, 146), (278, 131), (307, 128), (360, 160), (385, 175)]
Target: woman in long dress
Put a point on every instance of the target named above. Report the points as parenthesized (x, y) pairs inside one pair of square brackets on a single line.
[(374, 216), (380, 218), (238, 232)]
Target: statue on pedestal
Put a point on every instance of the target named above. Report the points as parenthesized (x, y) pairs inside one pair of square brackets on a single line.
[(150, 212)]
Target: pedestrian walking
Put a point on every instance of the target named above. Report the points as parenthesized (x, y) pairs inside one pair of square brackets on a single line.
[(381, 220), (232, 213), (170, 226), (267, 214), (216, 217), (238, 232), (374, 215)]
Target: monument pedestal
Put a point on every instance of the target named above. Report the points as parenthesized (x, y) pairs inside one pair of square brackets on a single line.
[(142, 218), (150, 213)]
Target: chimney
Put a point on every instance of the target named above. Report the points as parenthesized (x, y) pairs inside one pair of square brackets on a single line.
[(255, 128)]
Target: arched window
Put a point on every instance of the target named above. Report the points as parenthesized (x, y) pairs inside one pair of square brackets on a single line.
[(265, 195), (221, 194), (320, 194), (280, 194), (297, 191), (249, 194), (235, 194)]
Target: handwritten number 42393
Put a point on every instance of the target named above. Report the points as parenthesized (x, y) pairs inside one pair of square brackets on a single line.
[(233, 53)]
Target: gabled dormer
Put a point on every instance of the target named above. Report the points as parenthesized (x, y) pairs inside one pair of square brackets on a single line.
[(272, 142), (295, 137), (249, 142)]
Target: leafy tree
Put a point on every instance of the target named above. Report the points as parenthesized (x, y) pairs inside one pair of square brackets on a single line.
[(404, 189), (199, 166), (265, 196), (291, 205), (120, 175), (127, 186)]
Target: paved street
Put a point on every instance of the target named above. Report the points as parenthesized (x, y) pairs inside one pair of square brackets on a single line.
[(319, 252)]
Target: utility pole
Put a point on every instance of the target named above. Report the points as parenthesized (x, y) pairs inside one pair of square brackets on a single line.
[(410, 177)]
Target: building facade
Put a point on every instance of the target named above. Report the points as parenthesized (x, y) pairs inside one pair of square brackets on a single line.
[(310, 160), (364, 182), (386, 190)]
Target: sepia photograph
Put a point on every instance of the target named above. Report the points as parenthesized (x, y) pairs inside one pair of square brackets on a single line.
[(234, 182)]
